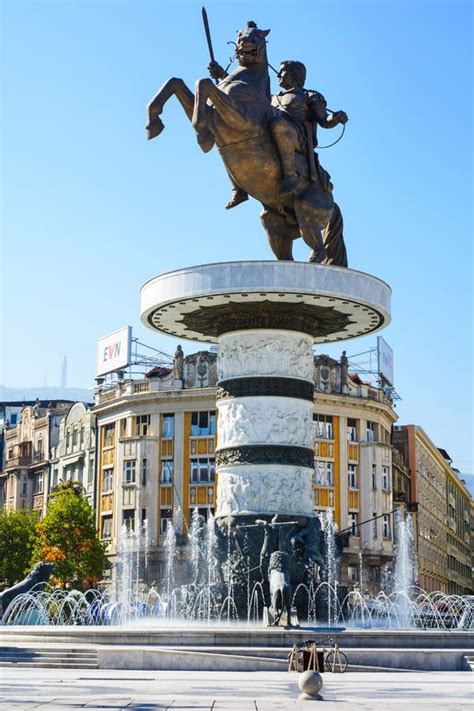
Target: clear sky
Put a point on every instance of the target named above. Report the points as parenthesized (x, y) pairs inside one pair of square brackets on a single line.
[(91, 210)]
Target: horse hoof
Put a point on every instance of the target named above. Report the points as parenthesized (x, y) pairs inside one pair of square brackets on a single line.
[(205, 140), (317, 257), (154, 128), (236, 200)]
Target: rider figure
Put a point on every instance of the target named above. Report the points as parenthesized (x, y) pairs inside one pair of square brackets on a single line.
[(296, 115)]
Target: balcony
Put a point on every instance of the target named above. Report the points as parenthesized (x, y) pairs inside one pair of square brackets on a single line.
[(23, 461), (133, 387)]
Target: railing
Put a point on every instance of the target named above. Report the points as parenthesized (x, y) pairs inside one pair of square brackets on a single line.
[(142, 386), (19, 461)]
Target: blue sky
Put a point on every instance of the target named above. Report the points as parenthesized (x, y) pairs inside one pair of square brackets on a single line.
[(91, 210)]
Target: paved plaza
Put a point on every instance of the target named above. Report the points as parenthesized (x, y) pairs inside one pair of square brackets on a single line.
[(24, 688)]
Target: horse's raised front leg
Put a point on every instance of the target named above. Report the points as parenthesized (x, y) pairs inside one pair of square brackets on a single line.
[(229, 110), (175, 87)]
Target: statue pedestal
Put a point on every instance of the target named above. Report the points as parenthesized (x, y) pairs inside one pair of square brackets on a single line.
[(265, 316)]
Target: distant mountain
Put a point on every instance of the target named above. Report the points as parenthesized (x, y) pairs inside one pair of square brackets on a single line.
[(42, 393)]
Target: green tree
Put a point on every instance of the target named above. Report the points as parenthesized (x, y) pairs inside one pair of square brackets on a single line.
[(67, 537), (17, 539)]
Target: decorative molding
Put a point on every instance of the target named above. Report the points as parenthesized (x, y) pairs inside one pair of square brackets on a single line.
[(265, 353), (271, 490), (265, 386), (317, 321), (265, 420), (265, 454)]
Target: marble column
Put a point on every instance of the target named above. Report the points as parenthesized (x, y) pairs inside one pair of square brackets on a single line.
[(265, 442)]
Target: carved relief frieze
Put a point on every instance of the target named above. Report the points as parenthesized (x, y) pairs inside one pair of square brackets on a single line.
[(269, 490), (253, 354), (269, 420)]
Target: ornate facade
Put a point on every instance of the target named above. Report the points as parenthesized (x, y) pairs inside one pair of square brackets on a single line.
[(443, 519), (25, 479), (73, 458)]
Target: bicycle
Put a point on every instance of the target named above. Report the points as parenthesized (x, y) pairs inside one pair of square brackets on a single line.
[(335, 661)]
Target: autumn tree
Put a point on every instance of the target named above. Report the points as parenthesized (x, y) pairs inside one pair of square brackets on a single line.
[(17, 539), (67, 537)]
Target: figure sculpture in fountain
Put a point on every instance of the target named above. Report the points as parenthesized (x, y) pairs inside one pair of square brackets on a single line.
[(38, 577), (266, 145)]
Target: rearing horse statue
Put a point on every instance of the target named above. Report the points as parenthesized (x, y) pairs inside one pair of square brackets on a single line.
[(234, 116)]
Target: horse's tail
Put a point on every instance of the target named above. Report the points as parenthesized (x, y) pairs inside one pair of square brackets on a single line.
[(334, 240)]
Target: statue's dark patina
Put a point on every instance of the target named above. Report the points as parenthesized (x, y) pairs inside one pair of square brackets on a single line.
[(266, 145), (38, 576)]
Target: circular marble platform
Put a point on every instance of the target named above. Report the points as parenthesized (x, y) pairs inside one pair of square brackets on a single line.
[(204, 302)]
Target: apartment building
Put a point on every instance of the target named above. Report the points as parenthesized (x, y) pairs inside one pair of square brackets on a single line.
[(24, 481), (156, 439), (443, 518)]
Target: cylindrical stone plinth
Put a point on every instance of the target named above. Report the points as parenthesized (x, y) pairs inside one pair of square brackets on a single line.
[(265, 316), (265, 439)]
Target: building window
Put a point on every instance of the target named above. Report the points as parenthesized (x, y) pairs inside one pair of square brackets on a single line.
[(165, 516), (167, 427), (74, 437), (202, 471), (323, 426), (352, 476), (144, 471), (38, 484), (24, 486), (129, 470), (386, 526), (129, 519), (123, 427), (109, 434), (374, 525), (324, 473), (370, 432), (142, 425), (374, 476), (354, 523), (167, 471), (385, 479), (351, 430), (374, 573), (353, 573), (107, 480), (106, 532), (203, 423), (205, 512)]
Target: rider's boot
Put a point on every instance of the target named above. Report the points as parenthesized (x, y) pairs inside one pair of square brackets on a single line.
[(238, 195), (288, 184)]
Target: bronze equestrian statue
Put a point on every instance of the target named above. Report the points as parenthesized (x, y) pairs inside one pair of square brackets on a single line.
[(266, 145)]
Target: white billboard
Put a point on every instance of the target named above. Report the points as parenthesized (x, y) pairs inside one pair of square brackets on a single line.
[(114, 351), (385, 360)]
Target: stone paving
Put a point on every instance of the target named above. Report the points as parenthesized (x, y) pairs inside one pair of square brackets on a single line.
[(60, 689)]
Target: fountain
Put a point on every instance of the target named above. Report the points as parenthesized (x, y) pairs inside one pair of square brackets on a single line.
[(213, 593)]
